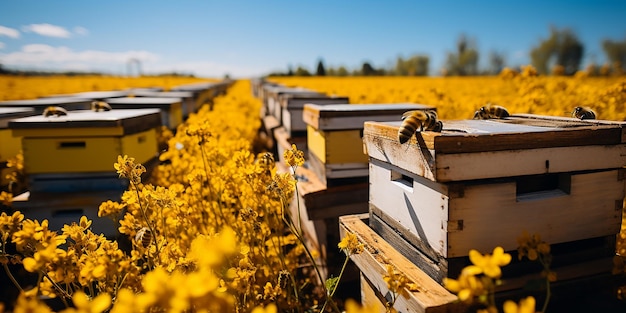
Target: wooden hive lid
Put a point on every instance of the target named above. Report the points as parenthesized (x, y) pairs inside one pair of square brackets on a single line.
[(10, 113), (92, 95), (164, 94), (143, 102), (523, 144), (122, 121), (352, 116), (196, 87), (42, 103), (297, 101)]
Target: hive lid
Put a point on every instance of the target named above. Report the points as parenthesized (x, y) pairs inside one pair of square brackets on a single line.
[(143, 102), (352, 116), (298, 100), (10, 113), (127, 121), (92, 95), (519, 145), (164, 94), (42, 103)]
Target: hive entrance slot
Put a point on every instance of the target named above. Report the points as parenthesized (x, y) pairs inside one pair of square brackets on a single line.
[(403, 180), (542, 186), (72, 144)]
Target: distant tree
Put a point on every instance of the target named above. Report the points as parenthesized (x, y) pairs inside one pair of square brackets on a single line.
[(342, 71), (561, 48), (321, 71), (367, 69), (290, 70), (464, 61), (615, 52), (301, 71), (496, 62), (417, 65), (331, 71)]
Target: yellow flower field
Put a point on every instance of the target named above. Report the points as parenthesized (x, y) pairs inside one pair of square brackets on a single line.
[(210, 230)]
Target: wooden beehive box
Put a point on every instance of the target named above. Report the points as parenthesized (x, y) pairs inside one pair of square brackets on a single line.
[(91, 95), (68, 207), (85, 141), (203, 92), (481, 183), (274, 93), (292, 106), (171, 108), (39, 105), (334, 136), (9, 146), (188, 101)]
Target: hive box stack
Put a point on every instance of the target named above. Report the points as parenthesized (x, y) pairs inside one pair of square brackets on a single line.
[(293, 129), (334, 182), (480, 184), (69, 161), (272, 110), (9, 146), (171, 107), (188, 102)]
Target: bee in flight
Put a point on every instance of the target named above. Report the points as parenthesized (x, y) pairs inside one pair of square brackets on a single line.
[(144, 236), (491, 111), (584, 113), (100, 106), (412, 120), (54, 111)]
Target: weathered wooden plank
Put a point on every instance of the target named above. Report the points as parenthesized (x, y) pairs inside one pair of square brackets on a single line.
[(429, 296), (494, 164), (465, 136)]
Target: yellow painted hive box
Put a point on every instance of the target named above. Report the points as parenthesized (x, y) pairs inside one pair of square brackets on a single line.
[(86, 141), (203, 92), (188, 102), (292, 106), (10, 146), (481, 183), (335, 131), (171, 108)]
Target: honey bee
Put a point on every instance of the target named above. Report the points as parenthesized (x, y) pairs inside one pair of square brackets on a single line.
[(144, 236), (100, 106), (412, 120), (584, 113), (54, 111), (490, 111)]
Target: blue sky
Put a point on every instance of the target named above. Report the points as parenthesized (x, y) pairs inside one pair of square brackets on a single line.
[(251, 38)]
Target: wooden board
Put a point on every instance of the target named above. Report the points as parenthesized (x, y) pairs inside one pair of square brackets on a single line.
[(496, 149), (337, 174), (171, 108), (9, 113), (39, 105), (352, 116), (79, 123), (429, 296), (451, 219), (293, 106)]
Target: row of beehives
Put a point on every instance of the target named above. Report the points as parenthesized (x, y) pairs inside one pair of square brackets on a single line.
[(477, 184), (70, 142)]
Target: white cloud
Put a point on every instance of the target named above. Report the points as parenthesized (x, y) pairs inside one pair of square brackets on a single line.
[(47, 30), (82, 31), (9, 32), (204, 69), (64, 58), (2, 45)]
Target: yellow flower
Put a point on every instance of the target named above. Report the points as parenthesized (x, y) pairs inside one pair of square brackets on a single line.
[(27, 303), (350, 244), (532, 247), (488, 264), (526, 305), (270, 308), (83, 304), (293, 156)]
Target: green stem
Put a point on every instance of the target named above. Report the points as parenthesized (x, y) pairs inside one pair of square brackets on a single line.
[(332, 293), (6, 269)]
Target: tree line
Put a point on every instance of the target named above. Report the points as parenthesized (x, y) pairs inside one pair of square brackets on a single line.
[(561, 53)]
